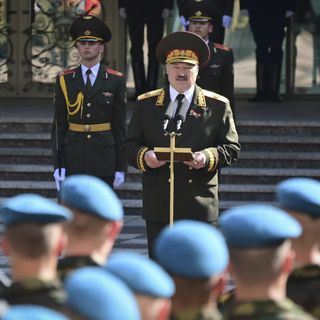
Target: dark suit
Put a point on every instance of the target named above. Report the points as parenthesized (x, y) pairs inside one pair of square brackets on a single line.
[(141, 13), (95, 153), (217, 75), (210, 128), (223, 7)]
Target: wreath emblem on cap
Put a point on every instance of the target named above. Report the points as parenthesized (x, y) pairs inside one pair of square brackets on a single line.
[(198, 13), (87, 32), (87, 17)]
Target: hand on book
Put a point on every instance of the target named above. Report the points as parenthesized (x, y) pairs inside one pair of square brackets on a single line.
[(198, 162), (152, 161)]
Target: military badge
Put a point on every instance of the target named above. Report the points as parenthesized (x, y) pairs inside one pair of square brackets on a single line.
[(107, 94)]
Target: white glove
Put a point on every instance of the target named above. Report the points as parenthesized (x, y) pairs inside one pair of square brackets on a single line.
[(226, 21), (123, 13), (184, 21), (244, 13), (289, 13), (165, 13), (59, 177), (118, 179)]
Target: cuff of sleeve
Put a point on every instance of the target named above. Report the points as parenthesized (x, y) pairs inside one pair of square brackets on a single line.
[(212, 157), (141, 164)]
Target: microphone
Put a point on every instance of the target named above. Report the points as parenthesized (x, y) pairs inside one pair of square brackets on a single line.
[(166, 122), (181, 116), (180, 119)]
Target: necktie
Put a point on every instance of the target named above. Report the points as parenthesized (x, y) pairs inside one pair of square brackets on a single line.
[(179, 98), (88, 82)]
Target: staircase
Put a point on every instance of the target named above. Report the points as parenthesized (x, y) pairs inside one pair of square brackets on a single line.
[(271, 152)]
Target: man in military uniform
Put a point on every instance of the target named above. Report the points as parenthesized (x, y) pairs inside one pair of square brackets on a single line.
[(217, 75), (222, 18), (300, 197), (195, 255), (138, 14), (150, 283), (97, 221), (209, 130), (89, 120), (34, 238), (261, 258), (267, 21)]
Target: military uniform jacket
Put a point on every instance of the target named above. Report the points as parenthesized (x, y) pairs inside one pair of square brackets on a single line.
[(95, 153), (267, 310), (209, 127), (205, 314), (217, 75), (303, 287)]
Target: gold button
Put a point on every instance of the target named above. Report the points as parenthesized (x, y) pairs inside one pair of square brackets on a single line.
[(87, 127), (190, 168), (89, 136), (108, 102), (89, 104), (190, 181), (88, 115)]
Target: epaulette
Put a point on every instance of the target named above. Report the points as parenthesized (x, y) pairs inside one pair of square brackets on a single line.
[(66, 71), (114, 72), (215, 95), (149, 94), (221, 46)]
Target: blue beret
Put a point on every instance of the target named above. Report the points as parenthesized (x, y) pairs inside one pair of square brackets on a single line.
[(23, 312), (300, 194), (258, 226), (191, 249), (91, 195), (141, 274), (96, 294), (32, 208)]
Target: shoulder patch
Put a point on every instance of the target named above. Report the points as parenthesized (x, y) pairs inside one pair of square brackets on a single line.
[(149, 94), (223, 47), (215, 95), (114, 72)]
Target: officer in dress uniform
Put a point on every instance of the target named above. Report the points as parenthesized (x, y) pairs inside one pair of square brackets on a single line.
[(97, 221), (300, 197), (89, 111), (209, 130), (195, 255), (34, 238), (259, 238), (223, 17), (217, 75)]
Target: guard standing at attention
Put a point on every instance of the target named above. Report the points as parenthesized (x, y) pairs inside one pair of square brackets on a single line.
[(89, 120)]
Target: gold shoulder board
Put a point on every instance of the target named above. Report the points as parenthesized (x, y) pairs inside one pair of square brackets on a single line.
[(149, 94)]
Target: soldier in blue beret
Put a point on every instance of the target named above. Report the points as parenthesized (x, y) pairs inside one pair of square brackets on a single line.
[(96, 294), (195, 255), (24, 312), (98, 219), (152, 286), (261, 258), (33, 240), (300, 197)]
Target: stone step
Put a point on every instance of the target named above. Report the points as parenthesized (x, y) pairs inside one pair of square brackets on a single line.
[(27, 125), (23, 139)]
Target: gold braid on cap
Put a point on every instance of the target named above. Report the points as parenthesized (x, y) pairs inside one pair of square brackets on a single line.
[(182, 54), (78, 104)]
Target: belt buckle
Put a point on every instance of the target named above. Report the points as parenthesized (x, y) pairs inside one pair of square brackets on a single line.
[(87, 128)]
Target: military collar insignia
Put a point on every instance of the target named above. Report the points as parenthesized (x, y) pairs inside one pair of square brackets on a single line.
[(201, 100), (160, 99)]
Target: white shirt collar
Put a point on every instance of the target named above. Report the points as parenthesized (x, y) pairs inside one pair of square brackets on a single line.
[(188, 93), (94, 70)]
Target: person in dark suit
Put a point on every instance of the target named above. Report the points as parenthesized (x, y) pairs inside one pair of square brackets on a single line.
[(209, 130), (34, 238), (89, 111), (300, 197), (267, 21), (138, 14), (217, 75), (223, 17)]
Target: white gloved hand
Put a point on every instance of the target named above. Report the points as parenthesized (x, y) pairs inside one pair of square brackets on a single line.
[(244, 13), (165, 13), (59, 176), (226, 21), (289, 13), (118, 179), (184, 22), (123, 13)]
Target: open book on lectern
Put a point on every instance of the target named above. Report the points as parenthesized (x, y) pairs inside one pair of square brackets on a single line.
[(179, 154)]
